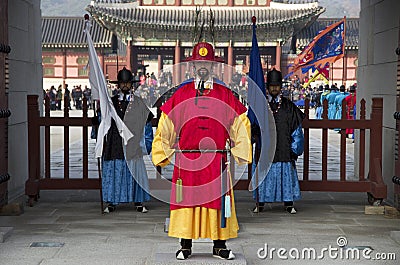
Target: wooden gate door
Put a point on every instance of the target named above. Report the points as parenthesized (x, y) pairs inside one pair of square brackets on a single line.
[(4, 111)]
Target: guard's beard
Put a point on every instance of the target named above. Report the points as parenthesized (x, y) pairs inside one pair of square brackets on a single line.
[(203, 73), (125, 89)]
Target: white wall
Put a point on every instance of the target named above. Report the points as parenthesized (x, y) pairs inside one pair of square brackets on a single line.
[(377, 70), (25, 78)]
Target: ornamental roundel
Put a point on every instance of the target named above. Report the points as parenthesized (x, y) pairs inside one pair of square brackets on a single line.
[(203, 51)]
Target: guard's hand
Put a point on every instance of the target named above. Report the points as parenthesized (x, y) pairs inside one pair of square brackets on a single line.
[(255, 132), (95, 121)]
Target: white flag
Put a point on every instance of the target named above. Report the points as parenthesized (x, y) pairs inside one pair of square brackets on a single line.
[(99, 90)]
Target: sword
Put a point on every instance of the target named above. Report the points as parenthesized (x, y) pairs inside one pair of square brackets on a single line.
[(225, 207)]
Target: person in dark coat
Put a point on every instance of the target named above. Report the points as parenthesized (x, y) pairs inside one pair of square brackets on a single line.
[(281, 183), (124, 175)]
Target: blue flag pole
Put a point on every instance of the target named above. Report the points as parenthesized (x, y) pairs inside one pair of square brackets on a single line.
[(256, 75)]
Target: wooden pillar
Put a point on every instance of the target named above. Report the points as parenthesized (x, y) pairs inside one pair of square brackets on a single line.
[(278, 56), (102, 57), (178, 2), (248, 63), (176, 77), (4, 111), (344, 75), (230, 62), (268, 2), (231, 3), (159, 63), (134, 58), (378, 188), (230, 54), (128, 58), (32, 184), (64, 72)]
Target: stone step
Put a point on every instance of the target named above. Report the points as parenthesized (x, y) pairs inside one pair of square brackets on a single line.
[(5, 232), (196, 258), (12, 209), (395, 235)]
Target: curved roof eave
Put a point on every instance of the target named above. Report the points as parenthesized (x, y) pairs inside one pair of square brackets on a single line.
[(231, 17)]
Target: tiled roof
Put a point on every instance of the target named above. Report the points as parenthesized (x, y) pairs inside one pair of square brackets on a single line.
[(63, 32), (306, 35), (184, 17), (130, 19)]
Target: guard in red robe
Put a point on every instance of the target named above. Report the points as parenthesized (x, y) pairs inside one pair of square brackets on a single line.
[(199, 123)]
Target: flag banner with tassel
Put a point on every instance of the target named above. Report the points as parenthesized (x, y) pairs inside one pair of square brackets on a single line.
[(327, 47), (99, 88)]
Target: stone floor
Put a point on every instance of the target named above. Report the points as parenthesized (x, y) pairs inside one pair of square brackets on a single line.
[(68, 228)]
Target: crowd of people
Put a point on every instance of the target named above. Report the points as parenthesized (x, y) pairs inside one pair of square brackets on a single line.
[(61, 97)]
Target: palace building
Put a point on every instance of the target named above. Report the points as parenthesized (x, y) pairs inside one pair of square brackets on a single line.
[(160, 33)]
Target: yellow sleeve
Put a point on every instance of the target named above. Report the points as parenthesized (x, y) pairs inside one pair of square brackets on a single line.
[(163, 141), (240, 135)]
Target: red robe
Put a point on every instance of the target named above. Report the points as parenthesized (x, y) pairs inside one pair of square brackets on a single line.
[(200, 122)]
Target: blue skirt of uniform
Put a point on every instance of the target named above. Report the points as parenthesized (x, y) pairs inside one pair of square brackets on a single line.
[(119, 185), (281, 184), (318, 112)]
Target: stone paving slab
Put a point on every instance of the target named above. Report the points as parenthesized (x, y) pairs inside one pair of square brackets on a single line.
[(91, 261), (128, 237), (196, 258), (395, 235), (5, 232)]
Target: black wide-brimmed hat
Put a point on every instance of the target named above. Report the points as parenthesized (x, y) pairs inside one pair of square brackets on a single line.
[(124, 76), (274, 77)]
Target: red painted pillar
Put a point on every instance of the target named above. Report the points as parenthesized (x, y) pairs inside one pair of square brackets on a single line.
[(278, 56), (230, 62), (176, 75), (344, 79), (247, 63), (129, 55), (159, 63), (64, 72)]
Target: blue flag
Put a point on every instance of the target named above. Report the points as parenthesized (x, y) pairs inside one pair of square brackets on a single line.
[(257, 77), (259, 113)]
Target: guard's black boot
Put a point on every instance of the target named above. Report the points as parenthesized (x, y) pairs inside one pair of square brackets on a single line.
[(110, 208), (259, 209), (186, 249), (140, 207), (183, 254), (290, 208), (220, 250)]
